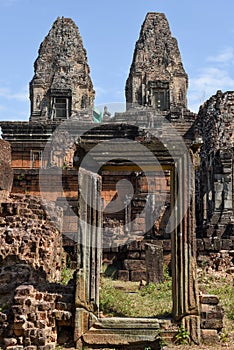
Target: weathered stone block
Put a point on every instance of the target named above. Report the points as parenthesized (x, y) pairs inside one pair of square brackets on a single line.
[(209, 299), (133, 265), (213, 323), (192, 324), (210, 336), (18, 325), (136, 276), (123, 275), (154, 263)]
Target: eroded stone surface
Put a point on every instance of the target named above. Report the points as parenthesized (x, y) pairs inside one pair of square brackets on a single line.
[(6, 174), (61, 85), (33, 303), (157, 77), (215, 219), (27, 234)]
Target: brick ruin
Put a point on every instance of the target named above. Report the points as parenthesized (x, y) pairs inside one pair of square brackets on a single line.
[(33, 303), (55, 167)]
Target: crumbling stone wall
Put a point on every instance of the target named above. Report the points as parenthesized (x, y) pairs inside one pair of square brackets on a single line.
[(5, 151), (27, 233), (212, 315), (6, 174), (139, 260), (39, 314), (34, 306), (215, 197)]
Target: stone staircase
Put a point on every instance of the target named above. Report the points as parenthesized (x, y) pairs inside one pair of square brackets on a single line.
[(129, 333)]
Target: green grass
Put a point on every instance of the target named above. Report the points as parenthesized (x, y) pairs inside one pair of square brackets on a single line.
[(66, 275), (125, 299), (118, 298), (222, 286)]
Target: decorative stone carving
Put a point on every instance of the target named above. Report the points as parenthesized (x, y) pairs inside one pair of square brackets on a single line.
[(157, 77), (61, 83), (215, 174)]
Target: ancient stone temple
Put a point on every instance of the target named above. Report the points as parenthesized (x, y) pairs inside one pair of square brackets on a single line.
[(61, 85), (149, 187), (157, 77), (215, 175)]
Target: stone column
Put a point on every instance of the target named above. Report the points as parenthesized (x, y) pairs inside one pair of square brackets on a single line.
[(185, 294), (89, 242)]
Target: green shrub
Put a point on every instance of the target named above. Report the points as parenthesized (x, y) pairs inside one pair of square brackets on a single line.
[(66, 275), (182, 337)]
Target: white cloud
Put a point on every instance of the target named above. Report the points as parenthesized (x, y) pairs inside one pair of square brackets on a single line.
[(226, 56), (208, 81), (18, 96)]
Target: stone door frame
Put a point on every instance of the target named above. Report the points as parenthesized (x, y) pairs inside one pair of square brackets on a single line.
[(184, 286)]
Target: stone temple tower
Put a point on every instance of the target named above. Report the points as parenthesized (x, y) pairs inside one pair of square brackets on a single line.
[(157, 77), (61, 85)]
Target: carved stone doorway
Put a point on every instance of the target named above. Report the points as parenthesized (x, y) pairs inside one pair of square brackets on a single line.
[(184, 289)]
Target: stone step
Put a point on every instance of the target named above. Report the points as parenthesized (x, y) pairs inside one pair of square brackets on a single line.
[(129, 332), (120, 336), (127, 322)]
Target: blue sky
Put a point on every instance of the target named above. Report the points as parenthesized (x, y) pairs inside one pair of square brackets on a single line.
[(109, 28)]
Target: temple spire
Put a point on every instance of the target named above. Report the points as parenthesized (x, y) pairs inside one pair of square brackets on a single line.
[(157, 77), (61, 85)]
